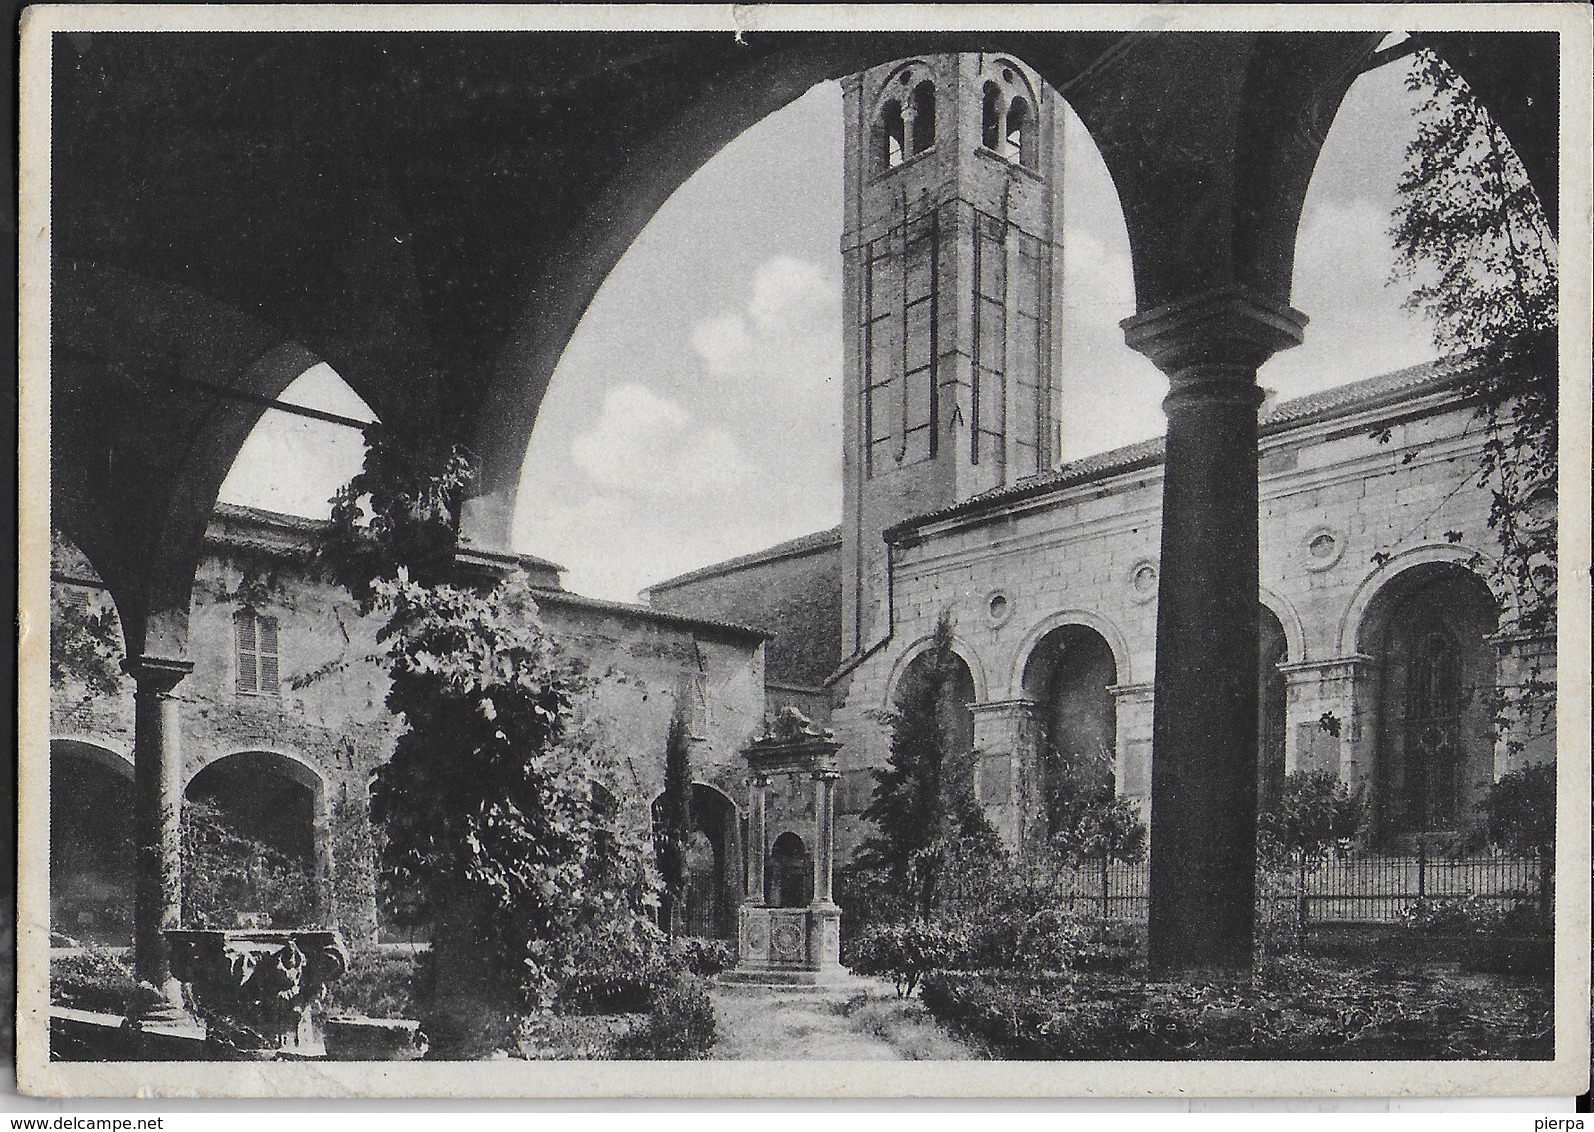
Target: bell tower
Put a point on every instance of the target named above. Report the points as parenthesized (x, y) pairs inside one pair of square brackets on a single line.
[(948, 265)]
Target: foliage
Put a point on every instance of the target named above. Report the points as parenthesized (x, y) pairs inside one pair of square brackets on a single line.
[(1050, 940), (1472, 240), (226, 874), (924, 798), (1315, 814), (680, 1025), (616, 968), (906, 952), (85, 642), (96, 978), (672, 834), (399, 513), (379, 983), (1520, 807), (486, 818), (1090, 824), (1452, 915), (703, 957), (1312, 815), (1292, 1011)]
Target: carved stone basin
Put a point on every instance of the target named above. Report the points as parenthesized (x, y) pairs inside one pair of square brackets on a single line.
[(254, 988)]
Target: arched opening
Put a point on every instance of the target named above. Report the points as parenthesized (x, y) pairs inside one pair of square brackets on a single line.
[(91, 844), (939, 696), (1018, 143), (890, 136), (293, 464), (713, 863), (923, 101), (791, 872), (1272, 703), (1070, 675), (254, 844), (991, 115), (1428, 632)]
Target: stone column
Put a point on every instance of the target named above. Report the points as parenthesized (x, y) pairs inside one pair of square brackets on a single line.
[(157, 815), (1204, 725), (757, 849), (1006, 771), (825, 828)]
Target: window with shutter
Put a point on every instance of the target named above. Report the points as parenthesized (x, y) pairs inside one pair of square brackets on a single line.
[(258, 658), (266, 632)]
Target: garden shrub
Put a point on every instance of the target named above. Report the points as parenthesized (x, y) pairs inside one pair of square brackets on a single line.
[(1050, 940), (617, 968), (1439, 915), (379, 983), (905, 952), (97, 979), (704, 957), (680, 1023)]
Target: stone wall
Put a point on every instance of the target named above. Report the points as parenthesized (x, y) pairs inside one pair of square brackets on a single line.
[(1343, 513), (794, 592), (326, 724)]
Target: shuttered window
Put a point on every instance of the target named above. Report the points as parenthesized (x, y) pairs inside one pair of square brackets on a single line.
[(259, 664)]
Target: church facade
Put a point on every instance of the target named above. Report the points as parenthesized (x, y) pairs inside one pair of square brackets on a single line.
[(1381, 639)]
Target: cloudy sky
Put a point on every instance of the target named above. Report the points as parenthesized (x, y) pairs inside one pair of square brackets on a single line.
[(696, 413)]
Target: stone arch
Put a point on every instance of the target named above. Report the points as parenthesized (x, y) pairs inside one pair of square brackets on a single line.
[(1069, 676), (714, 862), (1081, 617), (1429, 631), (92, 846), (1351, 622), (1272, 732), (279, 801), (791, 872), (102, 752), (965, 652), (1290, 624)]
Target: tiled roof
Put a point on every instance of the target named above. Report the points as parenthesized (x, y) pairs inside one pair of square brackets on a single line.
[(302, 529), (792, 548), (646, 612), (1342, 400)]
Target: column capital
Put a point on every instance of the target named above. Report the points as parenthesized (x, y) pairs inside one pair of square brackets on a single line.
[(158, 674), (1018, 707), (1225, 332), (1333, 666)]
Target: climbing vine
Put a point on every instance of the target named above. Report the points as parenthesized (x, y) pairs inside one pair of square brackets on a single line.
[(488, 830), (1472, 242)]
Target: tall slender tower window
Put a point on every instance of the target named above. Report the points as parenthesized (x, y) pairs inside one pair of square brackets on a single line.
[(991, 118), (923, 116), (890, 139)]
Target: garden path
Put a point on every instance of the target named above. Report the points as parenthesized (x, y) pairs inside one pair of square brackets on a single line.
[(861, 1023)]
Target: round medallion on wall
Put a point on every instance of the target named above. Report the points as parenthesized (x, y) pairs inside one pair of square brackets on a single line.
[(1324, 547), (1143, 581), (998, 608)]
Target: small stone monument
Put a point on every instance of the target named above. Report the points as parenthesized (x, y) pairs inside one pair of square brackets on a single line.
[(783, 944)]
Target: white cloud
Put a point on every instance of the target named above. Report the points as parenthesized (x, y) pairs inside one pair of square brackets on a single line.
[(786, 337), (651, 446)]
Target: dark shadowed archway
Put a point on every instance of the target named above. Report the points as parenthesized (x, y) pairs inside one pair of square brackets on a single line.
[(91, 843)]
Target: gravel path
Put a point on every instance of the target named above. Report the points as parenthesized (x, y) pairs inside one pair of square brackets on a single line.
[(869, 1024)]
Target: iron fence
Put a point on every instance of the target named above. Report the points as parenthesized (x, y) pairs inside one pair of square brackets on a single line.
[(1362, 888)]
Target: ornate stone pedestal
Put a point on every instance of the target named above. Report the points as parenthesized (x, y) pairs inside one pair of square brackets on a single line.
[(801, 945), (253, 989)]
